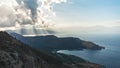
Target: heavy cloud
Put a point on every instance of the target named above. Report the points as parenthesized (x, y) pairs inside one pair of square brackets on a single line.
[(25, 12)]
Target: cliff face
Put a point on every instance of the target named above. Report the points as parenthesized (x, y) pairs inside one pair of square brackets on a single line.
[(51, 43), (15, 54)]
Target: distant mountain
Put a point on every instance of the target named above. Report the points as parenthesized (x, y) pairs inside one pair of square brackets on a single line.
[(53, 43), (15, 54)]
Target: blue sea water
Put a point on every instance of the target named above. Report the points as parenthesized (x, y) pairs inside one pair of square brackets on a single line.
[(109, 57)]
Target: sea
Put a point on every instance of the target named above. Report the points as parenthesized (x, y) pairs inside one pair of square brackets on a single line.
[(109, 57)]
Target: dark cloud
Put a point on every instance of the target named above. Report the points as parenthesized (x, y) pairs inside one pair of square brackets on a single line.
[(32, 5)]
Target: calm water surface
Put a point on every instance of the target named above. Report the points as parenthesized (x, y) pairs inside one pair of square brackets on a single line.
[(109, 57)]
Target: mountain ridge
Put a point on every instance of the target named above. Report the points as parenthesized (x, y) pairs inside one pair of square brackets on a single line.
[(54, 43)]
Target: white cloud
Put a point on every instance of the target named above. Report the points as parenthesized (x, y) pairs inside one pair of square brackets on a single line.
[(7, 16)]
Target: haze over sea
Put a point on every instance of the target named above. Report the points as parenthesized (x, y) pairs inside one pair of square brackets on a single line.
[(108, 57)]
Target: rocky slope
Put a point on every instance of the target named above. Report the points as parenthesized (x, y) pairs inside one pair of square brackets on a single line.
[(15, 54)]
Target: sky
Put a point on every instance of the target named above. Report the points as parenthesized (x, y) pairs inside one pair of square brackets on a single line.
[(88, 15), (82, 12), (88, 12)]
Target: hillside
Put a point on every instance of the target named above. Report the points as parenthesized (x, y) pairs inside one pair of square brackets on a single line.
[(54, 43), (15, 54)]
